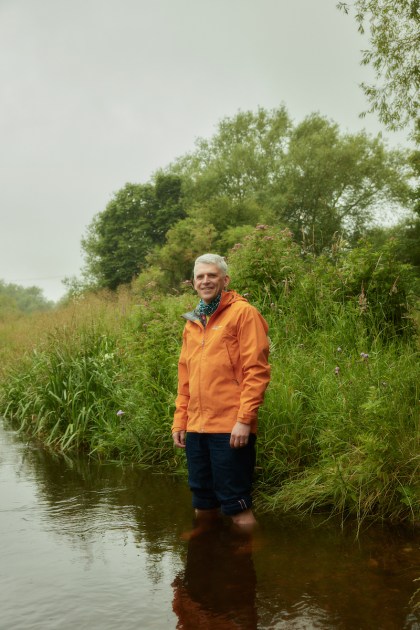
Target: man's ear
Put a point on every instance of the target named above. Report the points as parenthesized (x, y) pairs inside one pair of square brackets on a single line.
[(227, 280)]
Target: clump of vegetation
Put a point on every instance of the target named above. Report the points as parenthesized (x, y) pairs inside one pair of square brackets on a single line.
[(16, 300), (339, 430)]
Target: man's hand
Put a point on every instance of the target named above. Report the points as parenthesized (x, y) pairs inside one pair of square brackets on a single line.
[(179, 438), (240, 434)]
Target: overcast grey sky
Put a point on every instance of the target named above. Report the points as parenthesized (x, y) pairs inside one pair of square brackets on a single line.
[(96, 93)]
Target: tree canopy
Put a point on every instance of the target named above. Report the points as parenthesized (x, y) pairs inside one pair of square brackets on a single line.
[(258, 168), (394, 43), (335, 183), (135, 220), (15, 299), (310, 177)]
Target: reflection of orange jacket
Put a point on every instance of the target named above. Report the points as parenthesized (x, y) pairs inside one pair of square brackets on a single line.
[(223, 369)]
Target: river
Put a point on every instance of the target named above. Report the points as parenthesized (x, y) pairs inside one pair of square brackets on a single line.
[(105, 546)]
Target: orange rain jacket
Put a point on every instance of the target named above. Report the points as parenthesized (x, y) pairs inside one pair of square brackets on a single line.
[(223, 369)]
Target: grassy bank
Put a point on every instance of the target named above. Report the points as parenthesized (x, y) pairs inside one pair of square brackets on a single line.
[(339, 430)]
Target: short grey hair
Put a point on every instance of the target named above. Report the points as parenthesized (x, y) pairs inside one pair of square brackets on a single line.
[(212, 259)]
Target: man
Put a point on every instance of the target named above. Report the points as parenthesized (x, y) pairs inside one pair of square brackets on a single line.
[(223, 372)]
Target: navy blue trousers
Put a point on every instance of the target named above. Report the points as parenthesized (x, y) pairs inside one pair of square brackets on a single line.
[(218, 475)]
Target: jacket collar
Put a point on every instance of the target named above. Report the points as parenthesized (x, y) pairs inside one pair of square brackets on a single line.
[(227, 298)]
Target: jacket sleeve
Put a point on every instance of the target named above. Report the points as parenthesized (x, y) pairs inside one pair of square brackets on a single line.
[(254, 348), (183, 397)]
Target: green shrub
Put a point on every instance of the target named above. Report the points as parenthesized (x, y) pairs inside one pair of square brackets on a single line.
[(379, 286)]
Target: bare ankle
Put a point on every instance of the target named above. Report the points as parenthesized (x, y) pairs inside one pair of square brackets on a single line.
[(245, 519), (207, 515)]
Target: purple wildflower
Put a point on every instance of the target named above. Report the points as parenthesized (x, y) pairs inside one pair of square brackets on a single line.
[(120, 412)]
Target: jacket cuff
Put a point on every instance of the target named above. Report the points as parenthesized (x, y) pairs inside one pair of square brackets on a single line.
[(246, 419), (178, 428)]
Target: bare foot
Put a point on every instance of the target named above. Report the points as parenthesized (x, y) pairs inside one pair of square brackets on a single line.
[(244, 521), (204, 520)]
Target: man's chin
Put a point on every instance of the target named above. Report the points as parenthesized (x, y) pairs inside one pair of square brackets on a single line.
[(207, 298)]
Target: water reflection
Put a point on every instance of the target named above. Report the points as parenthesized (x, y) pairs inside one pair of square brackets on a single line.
[(322, 577), (101, 546), (217, 588)]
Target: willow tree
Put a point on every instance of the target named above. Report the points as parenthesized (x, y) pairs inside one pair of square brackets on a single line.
[(393, 29)]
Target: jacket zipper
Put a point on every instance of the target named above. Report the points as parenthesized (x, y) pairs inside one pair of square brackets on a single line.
[(203, 341), (199, 379), (199, 373)]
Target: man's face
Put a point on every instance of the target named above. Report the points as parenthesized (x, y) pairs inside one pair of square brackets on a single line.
[(209, 281)]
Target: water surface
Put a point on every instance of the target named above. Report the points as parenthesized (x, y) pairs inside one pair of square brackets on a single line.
[(101, 546)]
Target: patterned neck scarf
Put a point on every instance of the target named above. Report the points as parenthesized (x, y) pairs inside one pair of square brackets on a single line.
[(204, 310)]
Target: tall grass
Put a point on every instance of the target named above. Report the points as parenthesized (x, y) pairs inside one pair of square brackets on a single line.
[(339, 430)]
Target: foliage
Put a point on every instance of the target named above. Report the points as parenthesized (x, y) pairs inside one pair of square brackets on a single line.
[(394, 38), (150, 281), (406, 236), (71, 388), (333, 183), (379, 285), (239, 160), (369, 281), (186, 240), (345, 438), (266, 266), (259, 168), (15, 299), (135, 220)]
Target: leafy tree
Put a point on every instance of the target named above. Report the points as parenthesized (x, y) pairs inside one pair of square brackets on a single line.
[(226, 177), (17, 299), (225, 213), (332, 183), (394, 31), (259, 168), (186, 240), (233, 236), (169, 206), (414, 161), (136, 219)]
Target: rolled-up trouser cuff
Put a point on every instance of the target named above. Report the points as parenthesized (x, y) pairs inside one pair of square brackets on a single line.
[(204, 500), (235, 507)]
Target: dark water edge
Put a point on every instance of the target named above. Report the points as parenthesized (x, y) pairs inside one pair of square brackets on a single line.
[(105, 546)]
